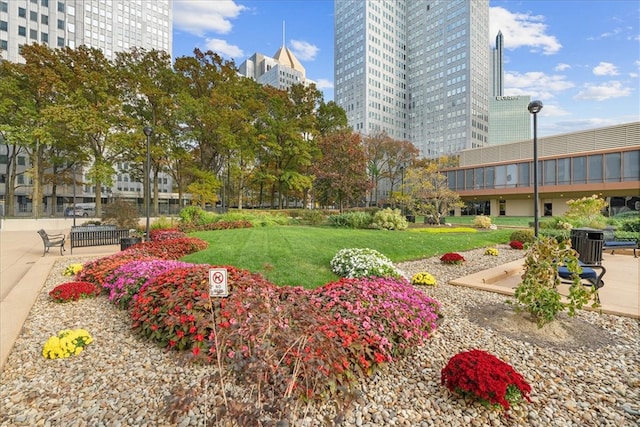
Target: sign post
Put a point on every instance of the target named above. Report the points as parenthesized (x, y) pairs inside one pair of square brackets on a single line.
[(218, 286)]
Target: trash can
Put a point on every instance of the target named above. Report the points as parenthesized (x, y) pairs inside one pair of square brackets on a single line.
[(127, 242), (588, 242), (411, 218)]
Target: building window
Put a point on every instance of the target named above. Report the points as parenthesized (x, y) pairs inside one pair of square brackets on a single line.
[(44, 19), (60, 6), (60, 24), (564, 171), (45, 3), (60, 42), (4, 6), (22, 12), (3, 25), (549, 171), (524, 174), (613, 167), (631, 166), (44, 37), (3, 159), (22, 31), (20, 179), (33, 16), (579, 170), (4, 45), (33, 34), (595, 168)]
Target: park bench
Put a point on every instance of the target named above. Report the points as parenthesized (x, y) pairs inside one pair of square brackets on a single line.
[(96, 235), (611, 243), (589, 274), (51, 241)]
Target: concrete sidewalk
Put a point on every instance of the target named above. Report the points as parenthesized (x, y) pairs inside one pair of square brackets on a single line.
[(619, 296), (23, 272)]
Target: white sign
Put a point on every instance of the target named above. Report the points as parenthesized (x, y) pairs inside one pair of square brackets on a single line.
[(218, 286)]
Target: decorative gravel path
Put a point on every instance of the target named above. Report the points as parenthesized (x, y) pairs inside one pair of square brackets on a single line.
[(120, 380)]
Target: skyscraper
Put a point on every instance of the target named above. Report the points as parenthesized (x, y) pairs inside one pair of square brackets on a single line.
[(416, 69), (109, 25), (509, 118), (282, 71)]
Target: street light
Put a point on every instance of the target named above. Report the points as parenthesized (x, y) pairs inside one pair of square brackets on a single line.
[(402, 190), (534, 108), (148, 131)]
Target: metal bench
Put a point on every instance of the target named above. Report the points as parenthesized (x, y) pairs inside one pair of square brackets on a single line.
[(611, 243), (96, 235), (589, 274), (52, 241)]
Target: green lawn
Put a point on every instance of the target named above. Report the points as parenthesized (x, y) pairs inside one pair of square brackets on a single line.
[(300, 255)]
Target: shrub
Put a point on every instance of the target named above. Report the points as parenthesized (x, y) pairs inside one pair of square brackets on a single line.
[(122, 213), (313, 216), (363, 262), (482, 221), (452, 258), (167, 249), (481, 376), (538, 292), (390, 219), (524, 236), (166, 234), (73, 291), (423, 279), (211, 226), (356, 219), (516, 244)]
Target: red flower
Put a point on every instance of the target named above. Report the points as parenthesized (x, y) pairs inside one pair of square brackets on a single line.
[(516, 244), (452, 258), (480, 375), (73, 291)]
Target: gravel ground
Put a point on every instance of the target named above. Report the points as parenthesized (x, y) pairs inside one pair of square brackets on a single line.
[(578, 378)]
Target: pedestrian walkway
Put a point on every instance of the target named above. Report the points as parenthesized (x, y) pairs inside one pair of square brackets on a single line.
[(619, 296), (23, 272)]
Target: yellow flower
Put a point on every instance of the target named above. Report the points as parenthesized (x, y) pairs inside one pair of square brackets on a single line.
[(491, 251), (72, 269), (66, 343), (423, 279)]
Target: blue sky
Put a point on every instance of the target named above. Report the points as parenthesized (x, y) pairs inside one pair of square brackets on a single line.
[(580, 58)]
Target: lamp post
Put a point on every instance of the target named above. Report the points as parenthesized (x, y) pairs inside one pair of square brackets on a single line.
[(148, 131), (534, 108), (75, 167), (402, 190)]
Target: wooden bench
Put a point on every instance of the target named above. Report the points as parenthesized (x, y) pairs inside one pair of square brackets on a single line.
[(51, 241), (96, 235), (611, 243)]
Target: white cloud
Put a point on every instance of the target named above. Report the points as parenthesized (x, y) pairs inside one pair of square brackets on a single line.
[(324, 84), (523, 30), (537, 84), (602, 92), (562, 67), (304, 50), (605, 69), (223, 48), (200, 17)]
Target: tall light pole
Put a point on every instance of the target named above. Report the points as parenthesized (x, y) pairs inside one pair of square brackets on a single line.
[(534, 108), (148, 131), (75, 167), (402, 190)]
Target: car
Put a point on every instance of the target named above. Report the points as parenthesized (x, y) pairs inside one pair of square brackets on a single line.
[(69, 212)]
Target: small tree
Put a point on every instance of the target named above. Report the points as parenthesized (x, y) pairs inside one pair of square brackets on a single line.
[(538, 292), (586, 211), (426, 192)]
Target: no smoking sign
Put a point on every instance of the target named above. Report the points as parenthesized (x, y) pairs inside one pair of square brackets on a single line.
[(218, 286)]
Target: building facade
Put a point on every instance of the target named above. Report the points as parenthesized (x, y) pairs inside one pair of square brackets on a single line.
[(415, 69), (109, 25), (498, 180), (282, 71)]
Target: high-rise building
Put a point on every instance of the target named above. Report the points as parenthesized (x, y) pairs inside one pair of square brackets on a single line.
[(415, 69), (109, 25), (509, 118), (282, 71), (497, 66)]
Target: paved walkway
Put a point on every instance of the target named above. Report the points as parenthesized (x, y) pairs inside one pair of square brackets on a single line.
[(24, 270)]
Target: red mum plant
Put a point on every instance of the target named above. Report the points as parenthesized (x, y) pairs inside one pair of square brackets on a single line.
[(516, 244), (73, 291), (166, 234), (167, 249), (478, 375), (452, 258)]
